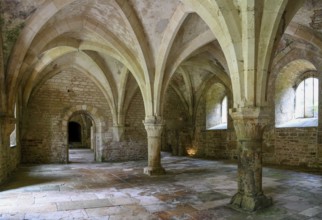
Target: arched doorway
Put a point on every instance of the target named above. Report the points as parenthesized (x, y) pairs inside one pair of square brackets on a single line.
[(81, 138), (99, 127)]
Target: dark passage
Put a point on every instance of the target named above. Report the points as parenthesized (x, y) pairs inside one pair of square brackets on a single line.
[(74, 132)]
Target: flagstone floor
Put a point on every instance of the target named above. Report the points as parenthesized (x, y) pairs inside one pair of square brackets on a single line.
[(191, 189)]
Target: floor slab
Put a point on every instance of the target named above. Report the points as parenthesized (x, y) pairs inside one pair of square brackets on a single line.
[(191, 189)]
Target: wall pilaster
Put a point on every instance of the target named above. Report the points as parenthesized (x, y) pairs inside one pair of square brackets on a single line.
[(118, 132)]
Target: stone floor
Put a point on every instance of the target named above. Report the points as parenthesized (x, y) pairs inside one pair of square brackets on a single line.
[(84, 155), (192, 189)]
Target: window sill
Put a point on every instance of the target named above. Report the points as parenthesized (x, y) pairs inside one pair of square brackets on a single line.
[(218, 127), (299, 123)]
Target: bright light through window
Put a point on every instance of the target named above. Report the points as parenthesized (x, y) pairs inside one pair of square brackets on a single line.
[(306, 105), (13, 135), (224, 110)]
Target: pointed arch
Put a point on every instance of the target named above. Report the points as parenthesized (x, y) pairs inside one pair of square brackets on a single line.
[(99, 123), (166, 43), (31, 29)]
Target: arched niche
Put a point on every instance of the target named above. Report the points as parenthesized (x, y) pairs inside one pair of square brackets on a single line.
[(285, 89), (215, 96)]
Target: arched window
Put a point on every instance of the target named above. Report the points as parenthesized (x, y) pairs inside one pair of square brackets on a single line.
[(216, 107), (224, 110), (217, 116), (306, 98)]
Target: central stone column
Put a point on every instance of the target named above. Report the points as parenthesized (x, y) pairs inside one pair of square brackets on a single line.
[(249, 125), (154, 127)]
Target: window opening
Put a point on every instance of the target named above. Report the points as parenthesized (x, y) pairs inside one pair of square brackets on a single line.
[(306, 103), (224, 110), (13, 135)]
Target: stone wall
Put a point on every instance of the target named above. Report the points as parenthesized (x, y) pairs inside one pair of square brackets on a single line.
[(14, 14), (200, 132), (42, 136), (43, 140), (219, 144), (14, 156), (134, 144), (135, 115), (281, 146), (296, 146), (10, 159), (10, 155), (215, 144), (291, 146), (176, 137), (268, 147)]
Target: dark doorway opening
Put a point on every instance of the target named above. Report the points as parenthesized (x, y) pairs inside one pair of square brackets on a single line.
[(74, 132), (81, 138)]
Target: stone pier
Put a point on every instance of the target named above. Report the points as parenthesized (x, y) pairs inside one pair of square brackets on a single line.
[(154, 129), (249, 125)]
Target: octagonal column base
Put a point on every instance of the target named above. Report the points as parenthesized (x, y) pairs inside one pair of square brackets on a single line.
[(250, 203)]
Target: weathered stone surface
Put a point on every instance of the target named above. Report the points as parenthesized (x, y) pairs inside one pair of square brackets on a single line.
[(249, 125), (123, 62), (196, 189), (154, 127), (250, 202)]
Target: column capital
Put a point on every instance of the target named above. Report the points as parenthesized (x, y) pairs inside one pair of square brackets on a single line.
[(154, 126), (260, 113), (249, 122), (151, 119)]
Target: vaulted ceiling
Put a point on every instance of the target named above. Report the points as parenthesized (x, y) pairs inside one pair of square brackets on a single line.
[(124, 45)]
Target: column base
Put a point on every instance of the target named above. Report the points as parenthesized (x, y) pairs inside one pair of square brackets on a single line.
[(154, 171), (250, 203)]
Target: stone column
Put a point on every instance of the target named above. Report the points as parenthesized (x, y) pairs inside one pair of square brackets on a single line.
[(154, 129), (249, 125), (118, 132)]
